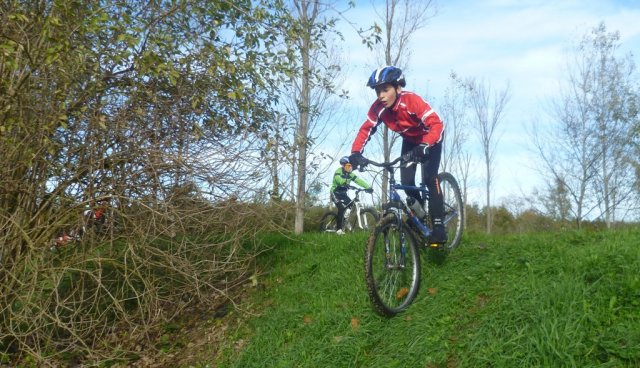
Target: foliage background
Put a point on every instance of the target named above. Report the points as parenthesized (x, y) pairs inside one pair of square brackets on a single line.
[(147, 106)]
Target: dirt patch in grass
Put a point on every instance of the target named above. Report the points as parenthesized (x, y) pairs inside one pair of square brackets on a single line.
[(197, 338)]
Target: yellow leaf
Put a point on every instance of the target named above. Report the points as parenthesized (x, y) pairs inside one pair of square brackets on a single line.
[(402, 293), (307, 319), (355, 323)]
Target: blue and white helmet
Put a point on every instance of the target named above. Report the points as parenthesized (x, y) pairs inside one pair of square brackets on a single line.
[(388, 74), (344, 160)]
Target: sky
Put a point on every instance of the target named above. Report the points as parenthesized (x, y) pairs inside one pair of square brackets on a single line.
[(520, 42)]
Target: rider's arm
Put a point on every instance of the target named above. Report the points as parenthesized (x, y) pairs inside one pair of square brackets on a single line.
[(368, 128), (359, 181), (428, 116)]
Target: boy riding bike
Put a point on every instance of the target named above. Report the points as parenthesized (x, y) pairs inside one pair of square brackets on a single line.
[(341, 181), (421, 130)]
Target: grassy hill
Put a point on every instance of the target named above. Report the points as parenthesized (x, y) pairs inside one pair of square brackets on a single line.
[(537, 300)]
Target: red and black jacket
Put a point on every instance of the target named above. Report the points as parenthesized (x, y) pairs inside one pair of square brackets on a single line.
[(410, 116)]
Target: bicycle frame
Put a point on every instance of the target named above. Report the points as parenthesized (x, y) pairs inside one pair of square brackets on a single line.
[(393, 193), (396, 201)]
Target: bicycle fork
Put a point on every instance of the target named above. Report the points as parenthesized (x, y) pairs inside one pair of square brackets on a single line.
[(390, 261), (362, 220)]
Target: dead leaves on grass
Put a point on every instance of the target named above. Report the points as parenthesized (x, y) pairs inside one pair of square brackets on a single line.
[(355, 325)]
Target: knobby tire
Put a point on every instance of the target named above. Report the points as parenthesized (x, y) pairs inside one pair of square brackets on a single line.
[(391, 288), (328, 221), (452, 204)]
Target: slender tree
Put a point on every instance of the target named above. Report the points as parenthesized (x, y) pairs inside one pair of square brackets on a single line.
[(488, 108), (612, 92), (314, 124), (312, 87), (454, 111)]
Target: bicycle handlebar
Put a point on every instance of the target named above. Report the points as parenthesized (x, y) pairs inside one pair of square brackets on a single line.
[(404, 159), (357, 189)]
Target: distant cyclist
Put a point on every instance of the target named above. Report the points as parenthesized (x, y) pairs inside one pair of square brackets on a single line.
[(421, 130), (99, 213), (342, 178), (96, 216)]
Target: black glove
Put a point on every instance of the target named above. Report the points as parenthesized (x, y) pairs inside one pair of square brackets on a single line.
[(356, 159), (420, 152), (369, 190)]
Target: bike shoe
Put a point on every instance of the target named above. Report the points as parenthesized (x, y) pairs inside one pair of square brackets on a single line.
[(438, 235), (339, 232)]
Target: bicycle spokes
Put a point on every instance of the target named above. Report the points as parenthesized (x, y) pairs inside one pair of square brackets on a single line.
[(395, 251), (450, 213)]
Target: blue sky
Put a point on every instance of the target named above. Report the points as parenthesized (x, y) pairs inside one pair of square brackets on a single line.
[(521, 42)]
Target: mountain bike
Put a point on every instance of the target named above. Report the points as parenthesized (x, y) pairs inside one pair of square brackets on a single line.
[(392, 255), (356, 216)]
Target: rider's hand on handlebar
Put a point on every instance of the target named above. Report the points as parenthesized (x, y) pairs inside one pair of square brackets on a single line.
[(420, 152), (356, 160), (369, 190)]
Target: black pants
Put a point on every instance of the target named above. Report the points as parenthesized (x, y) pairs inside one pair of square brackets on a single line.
[(341, 200), (429, 177)]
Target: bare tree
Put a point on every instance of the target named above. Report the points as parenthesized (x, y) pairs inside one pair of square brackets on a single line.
[(557, 201), (488, 109), (567, 151), (455, 156), (635, 162), (589, 149), (611, 92)]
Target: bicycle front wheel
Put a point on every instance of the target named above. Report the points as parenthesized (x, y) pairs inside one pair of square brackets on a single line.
[(329, 221), (453, 209), (392, 267), (368, 219)]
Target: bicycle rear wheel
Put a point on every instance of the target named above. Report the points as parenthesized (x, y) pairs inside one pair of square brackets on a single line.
[(453, 209), (328, 221), (392, 267)]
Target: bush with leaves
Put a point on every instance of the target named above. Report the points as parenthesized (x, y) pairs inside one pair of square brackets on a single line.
[(154, 108)]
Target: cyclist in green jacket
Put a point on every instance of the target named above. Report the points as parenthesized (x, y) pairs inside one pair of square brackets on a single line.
[(342, 178)]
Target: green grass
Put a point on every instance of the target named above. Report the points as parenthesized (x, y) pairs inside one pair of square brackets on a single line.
[(543, 300)]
